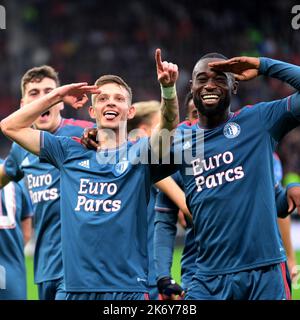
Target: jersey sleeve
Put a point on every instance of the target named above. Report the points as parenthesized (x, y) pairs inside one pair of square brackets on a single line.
[(141, 152), (12, 164), (281, 116), (281, 201), (163, 168), (165, 230), (164, 240), (277, 118), (53, 149)]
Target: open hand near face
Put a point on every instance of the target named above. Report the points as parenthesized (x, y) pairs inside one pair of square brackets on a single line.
[(167, 72), (243, 68), (75, 94)]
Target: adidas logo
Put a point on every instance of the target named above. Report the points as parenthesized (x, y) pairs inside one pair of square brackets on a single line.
[(85, 164)]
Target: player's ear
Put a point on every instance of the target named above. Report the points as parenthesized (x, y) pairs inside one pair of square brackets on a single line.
[(131, 112), (235, 85), (191, 84), (21, 103), (92, 112)]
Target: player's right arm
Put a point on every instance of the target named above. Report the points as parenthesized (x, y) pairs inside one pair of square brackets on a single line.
[(167, 75), (17, 126)]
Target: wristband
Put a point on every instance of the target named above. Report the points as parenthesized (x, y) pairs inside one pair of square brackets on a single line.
[(168, 92)]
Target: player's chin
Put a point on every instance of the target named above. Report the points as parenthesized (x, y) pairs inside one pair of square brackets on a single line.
[(45, 126), (211, 105), (109, 125)]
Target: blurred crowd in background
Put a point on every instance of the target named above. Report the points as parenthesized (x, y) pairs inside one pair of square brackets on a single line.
[(83, 39)]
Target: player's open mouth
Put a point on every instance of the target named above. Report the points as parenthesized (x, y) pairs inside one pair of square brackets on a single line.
[(47, 113), (110, 115), (210, 98)]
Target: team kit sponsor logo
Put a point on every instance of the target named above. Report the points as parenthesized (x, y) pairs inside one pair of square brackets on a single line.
[(41, 181), (88, 187), (201, 168)]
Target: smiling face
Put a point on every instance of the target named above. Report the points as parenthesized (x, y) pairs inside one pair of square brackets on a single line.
[(112, 107), (211, 89), (36, 89)]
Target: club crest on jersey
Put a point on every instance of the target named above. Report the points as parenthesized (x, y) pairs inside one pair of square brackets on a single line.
[(121, 167), (231, 130)]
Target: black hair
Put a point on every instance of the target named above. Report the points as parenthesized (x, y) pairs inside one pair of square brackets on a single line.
[(212, 55)]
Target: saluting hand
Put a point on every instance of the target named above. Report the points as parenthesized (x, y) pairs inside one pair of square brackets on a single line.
[(75, 94), (243, 68)]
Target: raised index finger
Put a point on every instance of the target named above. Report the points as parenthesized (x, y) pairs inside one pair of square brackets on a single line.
[(159, 63)]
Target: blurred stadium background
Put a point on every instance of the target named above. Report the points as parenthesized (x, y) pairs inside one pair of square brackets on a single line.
[(85, 38)]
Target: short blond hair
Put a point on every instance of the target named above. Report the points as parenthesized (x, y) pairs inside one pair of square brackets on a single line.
[(37, 74), (144, 111), (110, 78)]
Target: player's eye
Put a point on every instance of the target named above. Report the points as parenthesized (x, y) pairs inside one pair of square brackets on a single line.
[(120, 99), (201, 80), (221, 79), (102, 98)]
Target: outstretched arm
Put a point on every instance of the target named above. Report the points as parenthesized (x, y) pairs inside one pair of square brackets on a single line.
[(246, 68), (17, 126)]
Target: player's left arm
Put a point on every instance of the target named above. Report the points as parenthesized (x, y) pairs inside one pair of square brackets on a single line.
[(278, 117), (167, 75), (247, 68), (164, 239)]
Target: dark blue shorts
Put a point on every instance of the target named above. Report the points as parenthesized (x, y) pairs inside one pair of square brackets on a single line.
[(107, 296), (52, 290), (264, 283)]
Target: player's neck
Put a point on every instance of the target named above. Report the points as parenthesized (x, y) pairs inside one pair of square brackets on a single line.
[(213, 121), (109, 139)]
